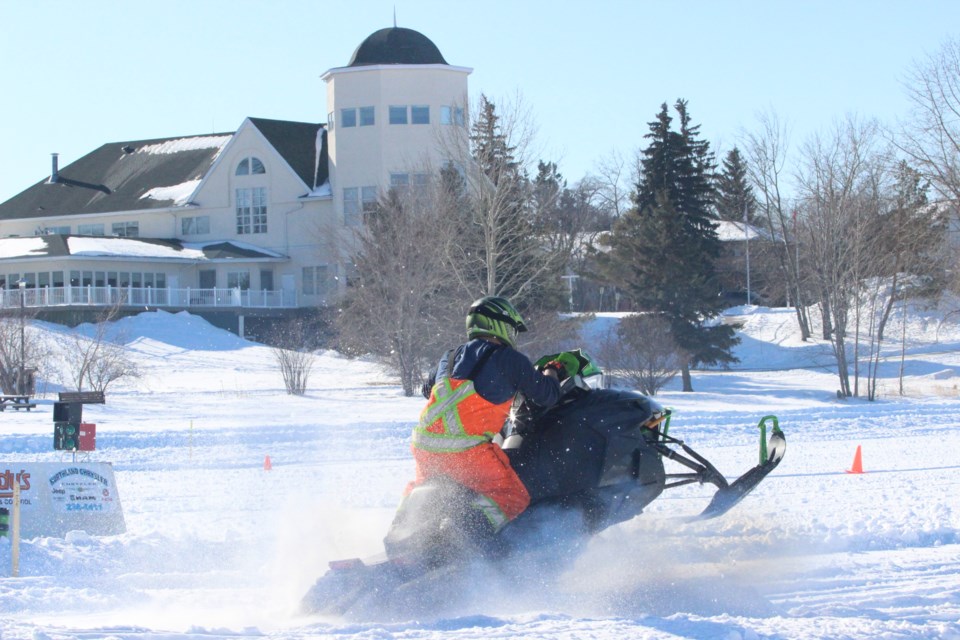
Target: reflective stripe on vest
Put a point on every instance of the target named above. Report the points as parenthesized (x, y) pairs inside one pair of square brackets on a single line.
[(444, 408), (488, 507)]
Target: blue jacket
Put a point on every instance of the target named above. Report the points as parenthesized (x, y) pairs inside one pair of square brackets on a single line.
[(503, 374)]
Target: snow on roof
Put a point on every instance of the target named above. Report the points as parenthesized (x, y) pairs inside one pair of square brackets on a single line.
[(22, 247), (179, 193), (199, 246), (728, 231), (323, 191), (186, 144), (127, 247)]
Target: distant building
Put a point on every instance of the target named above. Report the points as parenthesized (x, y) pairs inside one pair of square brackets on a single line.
[(251, 223)]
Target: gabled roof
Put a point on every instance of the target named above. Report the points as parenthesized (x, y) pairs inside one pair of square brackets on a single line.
[(156, 174), (298, 143), (119, 176), (62, 246)]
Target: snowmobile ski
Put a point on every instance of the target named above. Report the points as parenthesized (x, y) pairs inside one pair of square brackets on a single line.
[(728, 495)]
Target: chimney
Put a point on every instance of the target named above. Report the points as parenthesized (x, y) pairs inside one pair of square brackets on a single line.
[(54, 170)]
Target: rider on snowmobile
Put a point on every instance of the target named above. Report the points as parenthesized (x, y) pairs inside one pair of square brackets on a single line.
[(470, 399)]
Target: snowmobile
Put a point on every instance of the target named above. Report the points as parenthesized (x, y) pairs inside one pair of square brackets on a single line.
[(594, 460)]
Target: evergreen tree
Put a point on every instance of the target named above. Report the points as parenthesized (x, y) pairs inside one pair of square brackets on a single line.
[(735, 198), (662, 251)]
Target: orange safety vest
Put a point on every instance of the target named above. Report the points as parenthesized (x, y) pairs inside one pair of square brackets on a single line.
[(457, 418)]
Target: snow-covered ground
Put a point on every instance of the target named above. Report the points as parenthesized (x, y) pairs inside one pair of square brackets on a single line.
[(218, 547)]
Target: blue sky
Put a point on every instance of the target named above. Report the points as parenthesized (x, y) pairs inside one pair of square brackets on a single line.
[(78, 74)]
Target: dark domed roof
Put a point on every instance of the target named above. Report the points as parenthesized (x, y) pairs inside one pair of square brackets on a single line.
[(396, 46)]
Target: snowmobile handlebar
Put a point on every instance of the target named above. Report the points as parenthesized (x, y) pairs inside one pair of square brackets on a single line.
[(573, 364)]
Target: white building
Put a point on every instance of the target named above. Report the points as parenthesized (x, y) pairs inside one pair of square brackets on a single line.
[(257, 222)]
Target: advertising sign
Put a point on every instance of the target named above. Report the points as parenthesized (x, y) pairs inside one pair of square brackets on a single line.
[(57, 497)]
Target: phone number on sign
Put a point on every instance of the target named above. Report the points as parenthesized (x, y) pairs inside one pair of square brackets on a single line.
[(84, 507)]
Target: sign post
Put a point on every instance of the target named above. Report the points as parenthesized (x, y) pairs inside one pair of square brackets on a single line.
[(15, 534)]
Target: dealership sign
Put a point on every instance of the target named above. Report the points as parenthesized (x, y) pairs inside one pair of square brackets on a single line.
[(57, 497)]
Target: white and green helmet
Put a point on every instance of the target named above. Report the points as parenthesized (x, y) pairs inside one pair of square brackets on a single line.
[(494, 316)]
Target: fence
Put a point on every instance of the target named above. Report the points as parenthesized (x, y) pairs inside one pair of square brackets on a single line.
[(146, 297)]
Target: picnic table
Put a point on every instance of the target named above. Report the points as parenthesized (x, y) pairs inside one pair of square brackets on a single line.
[(16, 402)]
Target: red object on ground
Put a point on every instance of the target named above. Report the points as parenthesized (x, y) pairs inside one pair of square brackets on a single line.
[(267, 465), (857, 462)]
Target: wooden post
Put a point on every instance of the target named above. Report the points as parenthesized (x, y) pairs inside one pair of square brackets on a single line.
[(15, 529)]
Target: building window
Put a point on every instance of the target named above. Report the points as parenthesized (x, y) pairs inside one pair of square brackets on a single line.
[(348, 118), (90, 229), (398, 115), (351, 207), (451, 115), (330, 120), (367, 118), (419, 114), (129, 229), (319, 280), (250, 166), (403, 180), (207, 278), (195, 226), (358, 200), (238, 280), (308, 281), (62, 230), (251, 210), (368, 199), (266, 279)]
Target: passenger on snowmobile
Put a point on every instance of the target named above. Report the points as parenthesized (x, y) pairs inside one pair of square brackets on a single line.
[(470, 399)]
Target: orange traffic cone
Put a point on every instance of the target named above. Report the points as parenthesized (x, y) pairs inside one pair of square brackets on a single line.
[(267, 465), (857, 462)]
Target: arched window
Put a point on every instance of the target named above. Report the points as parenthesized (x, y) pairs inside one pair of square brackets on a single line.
[(250, 166)]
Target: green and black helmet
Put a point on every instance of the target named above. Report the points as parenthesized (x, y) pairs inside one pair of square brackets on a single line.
[(494, 316)]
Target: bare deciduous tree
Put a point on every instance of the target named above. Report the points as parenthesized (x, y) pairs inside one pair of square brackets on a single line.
[(643, 353), (291, 350), (930, 136), (500, 249), (767, 152), (612, 183), (16, 338), (840, 199), (97, 360), (405, 306)]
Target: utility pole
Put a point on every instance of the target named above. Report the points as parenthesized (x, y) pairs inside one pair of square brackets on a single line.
[(23, 292), (746, 237)]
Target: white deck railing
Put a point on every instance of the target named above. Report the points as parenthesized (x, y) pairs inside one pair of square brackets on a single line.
[(146, 296)]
